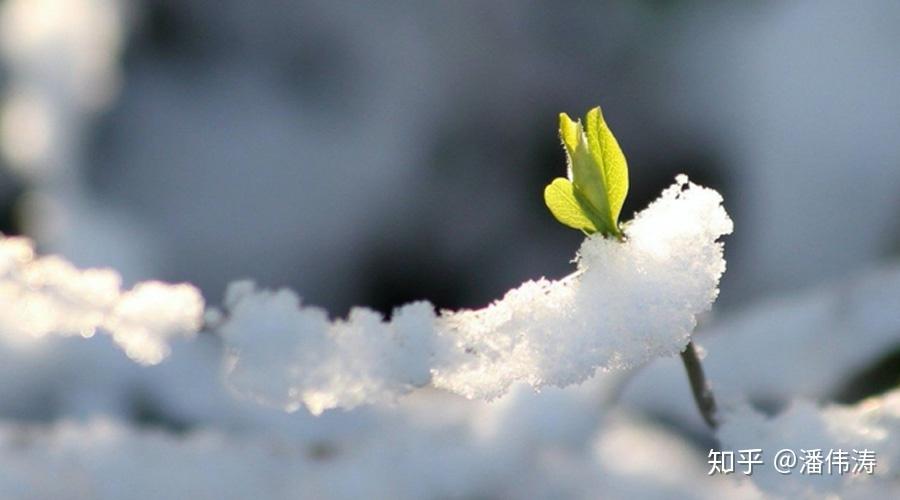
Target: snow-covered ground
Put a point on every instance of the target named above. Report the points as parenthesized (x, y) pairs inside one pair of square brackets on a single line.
[(119, 429)]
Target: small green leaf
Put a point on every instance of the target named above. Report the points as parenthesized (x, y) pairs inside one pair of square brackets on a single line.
[(598, 177), (569, 132), (561, 199), (614, 169)]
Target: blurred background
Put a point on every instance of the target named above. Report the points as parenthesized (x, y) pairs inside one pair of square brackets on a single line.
[(378, 153), (381, 153)]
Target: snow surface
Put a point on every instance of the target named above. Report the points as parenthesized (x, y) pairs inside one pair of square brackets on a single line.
[(44, 295), (554, 444), (873, 424), (477, 451), (557, 444), (627, 303)]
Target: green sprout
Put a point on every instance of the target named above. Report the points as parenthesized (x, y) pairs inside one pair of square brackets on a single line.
[(591, 198)]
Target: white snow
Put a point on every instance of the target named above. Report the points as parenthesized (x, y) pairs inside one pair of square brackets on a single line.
[(442, 449), (284, 354), (804, 345), (872, 425), (46, 295), (628, 302)]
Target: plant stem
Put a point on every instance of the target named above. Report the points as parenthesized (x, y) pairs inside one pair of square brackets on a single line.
[(701, 388)]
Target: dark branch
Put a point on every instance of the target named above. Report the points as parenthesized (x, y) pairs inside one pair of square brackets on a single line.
[(703, 395)]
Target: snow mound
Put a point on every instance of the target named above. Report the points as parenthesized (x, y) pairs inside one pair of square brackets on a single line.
[(628, 302), (46, 295)]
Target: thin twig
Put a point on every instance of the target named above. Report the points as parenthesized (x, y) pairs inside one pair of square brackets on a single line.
[(703, 395)]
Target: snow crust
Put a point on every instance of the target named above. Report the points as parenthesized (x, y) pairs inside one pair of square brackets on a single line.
[(47, 295), (628, 302)]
